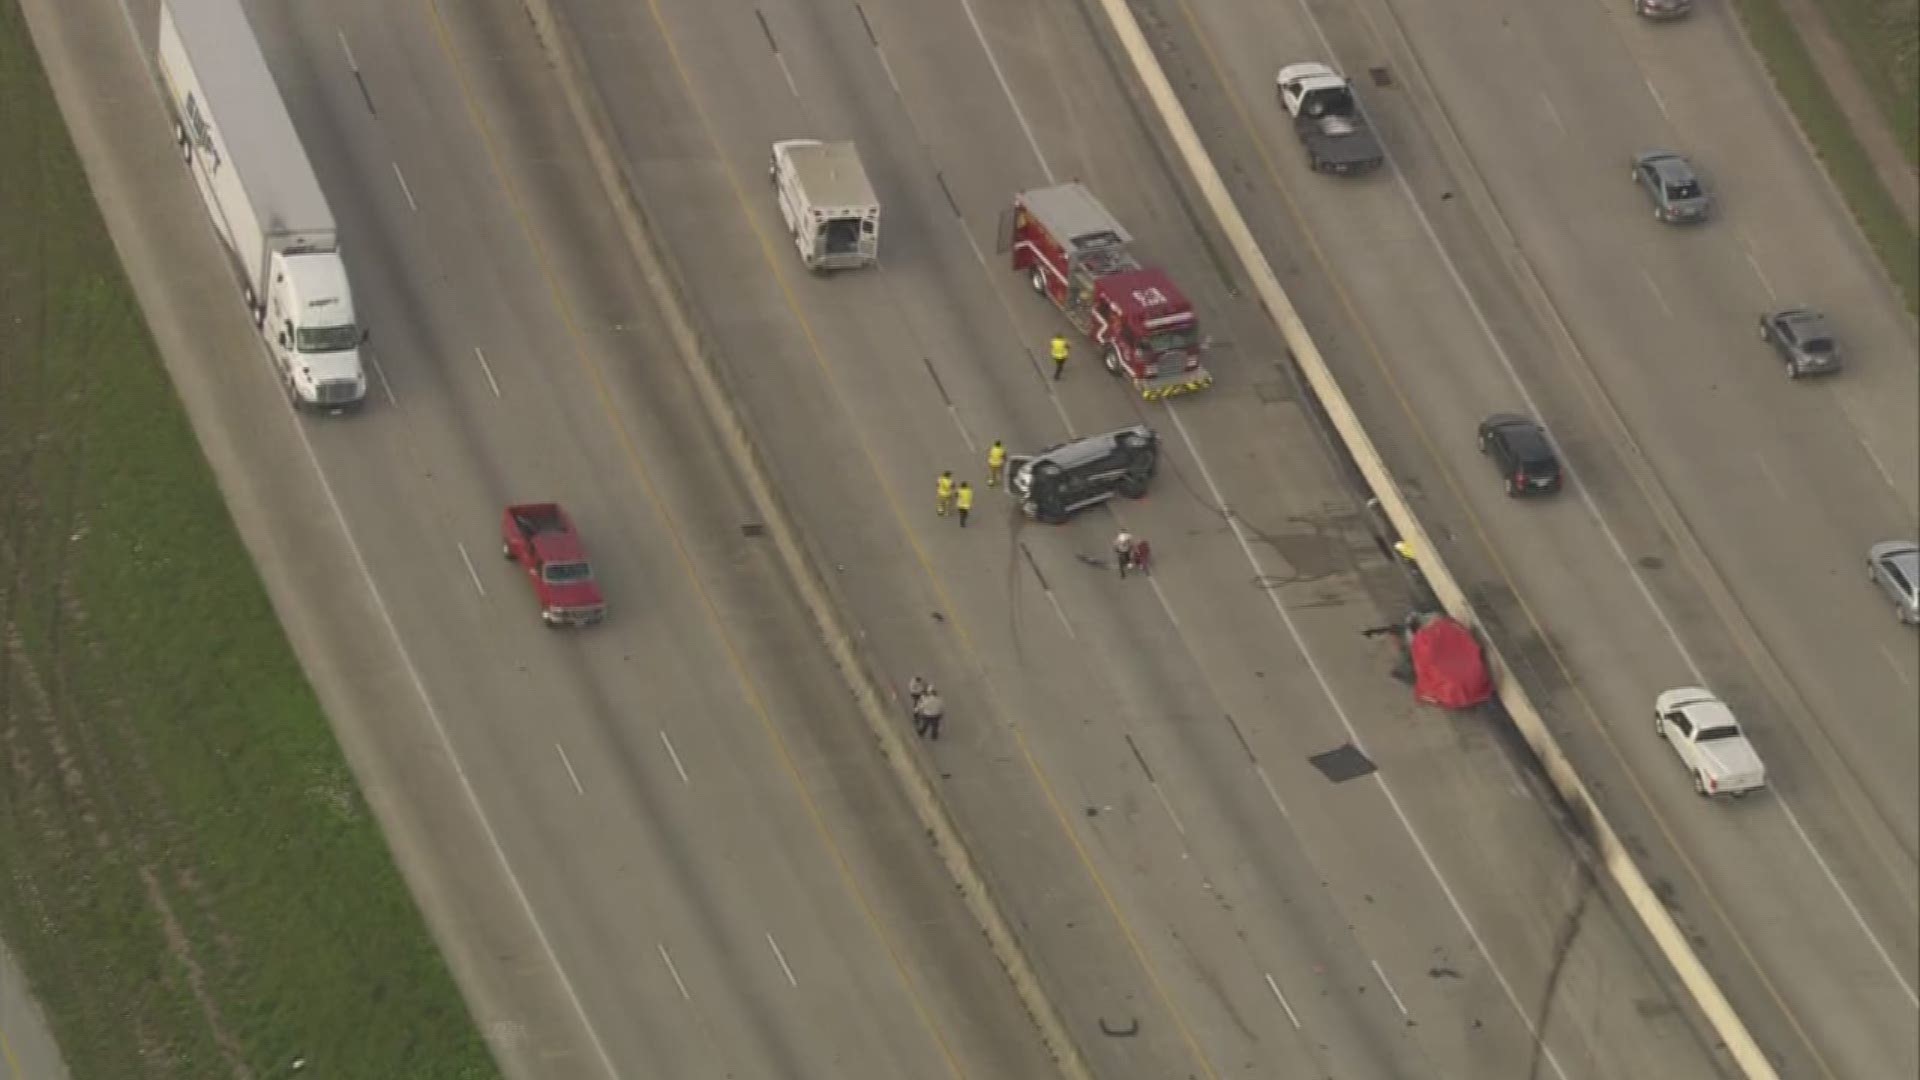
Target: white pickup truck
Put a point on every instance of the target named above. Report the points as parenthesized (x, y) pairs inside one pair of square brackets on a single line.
[(1702, 730)]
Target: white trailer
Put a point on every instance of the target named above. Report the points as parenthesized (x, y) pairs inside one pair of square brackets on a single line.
[(827, 202), (266, 204)]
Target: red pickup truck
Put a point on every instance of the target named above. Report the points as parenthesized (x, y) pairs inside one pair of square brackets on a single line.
[(541, 538)]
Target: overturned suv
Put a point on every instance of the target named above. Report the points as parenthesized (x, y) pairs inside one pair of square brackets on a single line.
[(1071, 476)]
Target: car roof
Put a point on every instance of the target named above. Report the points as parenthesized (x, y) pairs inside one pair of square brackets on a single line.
[(1673, 169), (1903, 552), (1523, 433), (558, 546), (1700, 707), (1802, 317), (1708, 713)]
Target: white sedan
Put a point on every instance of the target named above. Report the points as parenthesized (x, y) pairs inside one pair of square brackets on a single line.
[(1702, 730)]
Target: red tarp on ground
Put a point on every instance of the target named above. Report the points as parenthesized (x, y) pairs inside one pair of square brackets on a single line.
[(1448, 669)]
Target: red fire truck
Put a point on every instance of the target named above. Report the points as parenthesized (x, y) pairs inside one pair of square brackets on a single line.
[(1076, 254)]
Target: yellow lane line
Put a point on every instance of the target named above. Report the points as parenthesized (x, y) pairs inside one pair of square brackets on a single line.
[(769, 254), (1479, 528), (748, 686)]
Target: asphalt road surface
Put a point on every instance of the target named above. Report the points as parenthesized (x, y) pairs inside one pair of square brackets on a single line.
[(27, 1049), (661, 848), (1716, 528), (1129, 759)]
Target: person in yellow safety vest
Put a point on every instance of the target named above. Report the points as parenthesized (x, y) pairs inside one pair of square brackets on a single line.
[(996, 461), (943, 493), (963, 502), (1403, 549), (1059, 355)]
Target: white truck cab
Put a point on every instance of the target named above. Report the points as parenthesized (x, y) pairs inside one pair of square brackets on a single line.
[(310, 323), (828, 205), (264, 200)]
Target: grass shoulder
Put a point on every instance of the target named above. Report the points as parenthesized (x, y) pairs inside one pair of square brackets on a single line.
[(1846, 161), (194, 883)]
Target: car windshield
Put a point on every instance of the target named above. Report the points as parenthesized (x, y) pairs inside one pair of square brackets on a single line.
[(1166, 341), (561, 573), (315, 339), (1683, 189), (1713, 733), (1818, 345)]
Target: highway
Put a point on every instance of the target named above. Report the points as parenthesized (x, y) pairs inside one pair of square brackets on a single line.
[(1128, 759), (1716, 527), (660, 848)]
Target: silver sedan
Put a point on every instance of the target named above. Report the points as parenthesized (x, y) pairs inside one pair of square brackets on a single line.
[(1894, 565), (1804, 340)]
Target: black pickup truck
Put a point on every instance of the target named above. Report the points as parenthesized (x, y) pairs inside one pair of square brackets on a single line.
[(1328, 120)]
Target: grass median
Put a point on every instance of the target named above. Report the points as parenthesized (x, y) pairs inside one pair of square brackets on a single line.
[(1883, 37), (188, 872), (1801, 86)]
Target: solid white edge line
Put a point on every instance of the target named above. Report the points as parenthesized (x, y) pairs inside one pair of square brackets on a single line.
[(386, 387), (1586, 498), (467, 789)]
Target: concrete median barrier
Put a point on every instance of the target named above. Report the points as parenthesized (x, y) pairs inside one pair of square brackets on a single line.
[(1610, 851), (876, 702)]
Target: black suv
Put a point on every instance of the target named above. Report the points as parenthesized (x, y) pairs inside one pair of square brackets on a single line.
[(1071, 476), (1521, 450)]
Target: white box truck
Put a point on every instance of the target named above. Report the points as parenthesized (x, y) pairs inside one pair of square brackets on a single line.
[(239, 143), (827, 202)]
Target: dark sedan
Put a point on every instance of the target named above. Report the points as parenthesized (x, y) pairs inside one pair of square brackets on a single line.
[(1520, 450)]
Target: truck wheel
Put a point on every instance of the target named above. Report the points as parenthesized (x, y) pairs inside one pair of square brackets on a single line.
[(1699, 784), (1313, 161), (1038, 278), (186, 145), (1112, 360), (1659, 726), (293, 392), (1792, 372), (506, 551)]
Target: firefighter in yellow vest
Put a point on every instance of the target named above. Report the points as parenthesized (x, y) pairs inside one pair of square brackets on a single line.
[(1059, 349), (963, 502), (996, 463), (943, 493)]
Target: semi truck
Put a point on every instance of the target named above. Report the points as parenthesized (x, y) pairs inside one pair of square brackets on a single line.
[(1077, 255), (827, 202), (1327, 117), (266, 204)]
